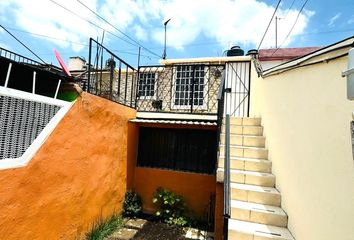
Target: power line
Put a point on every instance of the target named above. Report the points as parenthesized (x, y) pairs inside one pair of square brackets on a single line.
[(291, 5), (126, 35), (275, 10), (46, 36), (292, 27), (18, 40), (89, 21)]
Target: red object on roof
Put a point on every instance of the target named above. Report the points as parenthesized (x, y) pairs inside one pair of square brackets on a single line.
[(284, 53), (62, 64)]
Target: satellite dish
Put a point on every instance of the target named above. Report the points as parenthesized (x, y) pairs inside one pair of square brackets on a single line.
[(62, 64)]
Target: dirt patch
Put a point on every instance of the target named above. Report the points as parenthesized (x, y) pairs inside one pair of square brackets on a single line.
[(144, 229), (160, 231)]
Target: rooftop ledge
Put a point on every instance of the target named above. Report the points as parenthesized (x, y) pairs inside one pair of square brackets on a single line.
[(215, 60), (176, 116)]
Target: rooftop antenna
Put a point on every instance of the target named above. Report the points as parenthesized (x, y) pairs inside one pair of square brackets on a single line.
[(164, 49)]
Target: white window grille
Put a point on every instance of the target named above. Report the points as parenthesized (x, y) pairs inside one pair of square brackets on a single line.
[(184, 97), (26, 120), (146, 84)]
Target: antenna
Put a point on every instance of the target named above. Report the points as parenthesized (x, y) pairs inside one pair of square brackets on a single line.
[(164, 49)]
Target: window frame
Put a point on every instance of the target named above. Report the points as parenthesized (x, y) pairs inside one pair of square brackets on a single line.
[(155, 84), (205, 89)]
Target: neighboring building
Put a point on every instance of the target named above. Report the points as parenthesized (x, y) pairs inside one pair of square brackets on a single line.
[(273, 57), (77, 64)]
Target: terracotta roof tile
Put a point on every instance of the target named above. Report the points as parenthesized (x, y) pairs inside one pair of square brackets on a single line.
[(284, 53)]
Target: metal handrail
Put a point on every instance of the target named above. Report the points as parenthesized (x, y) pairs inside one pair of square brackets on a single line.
[(227, 199)]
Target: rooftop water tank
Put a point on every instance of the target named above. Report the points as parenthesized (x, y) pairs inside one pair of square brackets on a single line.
[(235, 51)]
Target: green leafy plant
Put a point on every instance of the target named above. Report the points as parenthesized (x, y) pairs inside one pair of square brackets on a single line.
[(103, 228), (132, 206), (171, 207)]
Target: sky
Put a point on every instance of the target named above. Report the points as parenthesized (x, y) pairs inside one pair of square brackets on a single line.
[(198, 28)]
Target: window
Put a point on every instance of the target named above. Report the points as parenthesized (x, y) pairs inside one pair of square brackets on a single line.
[(184, 95), (187, 150), (146, 84)]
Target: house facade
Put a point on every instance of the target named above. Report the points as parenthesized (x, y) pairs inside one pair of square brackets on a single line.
[(257, 154)]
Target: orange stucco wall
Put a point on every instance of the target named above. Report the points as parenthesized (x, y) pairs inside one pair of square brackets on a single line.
[(77, 176), (196, 188), (219, 210)]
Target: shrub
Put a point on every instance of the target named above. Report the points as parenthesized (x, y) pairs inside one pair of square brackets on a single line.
[(103, 228), (171, 207), (132, 206)]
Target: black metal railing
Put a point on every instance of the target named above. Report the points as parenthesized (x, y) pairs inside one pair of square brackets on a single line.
[(17, 57), (179, 88), (109, 76), (227, 197)]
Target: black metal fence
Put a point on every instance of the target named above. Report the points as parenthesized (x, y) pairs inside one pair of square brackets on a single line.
[(187, 150), (109, 76), (179, 88)]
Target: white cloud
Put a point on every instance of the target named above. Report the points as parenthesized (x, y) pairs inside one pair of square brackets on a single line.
[(140, 33), (225, 21), (45, 17), (333, 19)]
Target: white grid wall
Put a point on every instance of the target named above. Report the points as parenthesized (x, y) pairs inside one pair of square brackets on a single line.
[(21, 121)]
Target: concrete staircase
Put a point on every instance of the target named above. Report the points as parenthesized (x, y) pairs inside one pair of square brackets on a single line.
[(256, 213)]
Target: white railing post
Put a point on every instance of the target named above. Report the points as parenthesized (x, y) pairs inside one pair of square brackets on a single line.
[(8, 75), (57, 90), (34, 82)]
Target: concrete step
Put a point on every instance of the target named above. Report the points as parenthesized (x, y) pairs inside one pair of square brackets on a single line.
[(242, 230), (255, 194), (245, 130), (258, 213), (248, 177), (246, 152), (244, 140), (245, 121), (248, 164)]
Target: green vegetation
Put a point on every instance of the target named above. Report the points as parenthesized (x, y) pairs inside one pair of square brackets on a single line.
[(103, 228), (132, 206), (171, 207)]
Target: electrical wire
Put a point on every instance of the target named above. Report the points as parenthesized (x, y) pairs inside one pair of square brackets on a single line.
[(291, 5), (292, 27), (92, 23), (46, 36), (275, 10), (18, 40), (126, 35)]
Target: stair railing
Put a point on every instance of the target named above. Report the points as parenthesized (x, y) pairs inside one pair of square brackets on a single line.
[(227, 209)]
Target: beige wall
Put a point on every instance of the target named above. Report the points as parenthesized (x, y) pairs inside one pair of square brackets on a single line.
[(307, 126)]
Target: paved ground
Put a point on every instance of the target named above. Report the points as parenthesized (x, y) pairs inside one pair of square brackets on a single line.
[(141, 229)]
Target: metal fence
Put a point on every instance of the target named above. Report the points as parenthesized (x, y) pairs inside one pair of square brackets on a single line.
[(109, 76), (179, 88), (17, 57)]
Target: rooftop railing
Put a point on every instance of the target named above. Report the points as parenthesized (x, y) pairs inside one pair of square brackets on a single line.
[(17, 57), (179, 88)]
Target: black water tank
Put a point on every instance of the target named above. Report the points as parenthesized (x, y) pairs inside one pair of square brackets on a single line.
[(235, 51), (251, 52)]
